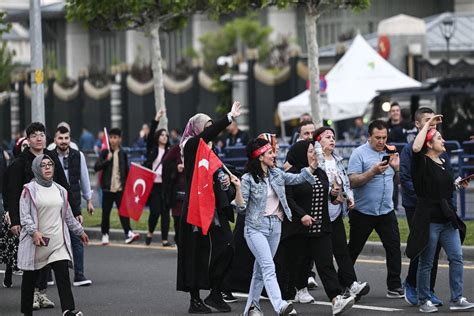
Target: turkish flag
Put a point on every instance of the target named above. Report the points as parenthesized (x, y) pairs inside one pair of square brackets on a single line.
[(201, 198), (137, 189)]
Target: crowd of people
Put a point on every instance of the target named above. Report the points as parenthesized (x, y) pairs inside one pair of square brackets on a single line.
[(288, 219)]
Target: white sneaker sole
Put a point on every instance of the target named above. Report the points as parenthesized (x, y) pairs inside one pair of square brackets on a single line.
[(82, 283), (348, 305)]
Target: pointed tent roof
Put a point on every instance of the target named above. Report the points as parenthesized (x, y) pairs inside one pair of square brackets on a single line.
[(354, 81), (351, 84)]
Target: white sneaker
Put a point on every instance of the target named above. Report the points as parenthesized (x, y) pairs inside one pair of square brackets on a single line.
[(312, 284), (132, 237), (461, 305), (341, 304), (359, 289), (36, 303), (428, 307), (44, 301), (105, 239), (293, 312), (302, 296)]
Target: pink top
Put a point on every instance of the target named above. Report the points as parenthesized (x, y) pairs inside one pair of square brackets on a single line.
[(273, 203), (158, 166)]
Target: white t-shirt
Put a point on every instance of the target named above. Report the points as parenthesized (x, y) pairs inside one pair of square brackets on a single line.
[(158, 165), (334, 176), (273, 203)]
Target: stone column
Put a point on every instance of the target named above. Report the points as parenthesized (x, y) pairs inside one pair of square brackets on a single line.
[(77, 49)]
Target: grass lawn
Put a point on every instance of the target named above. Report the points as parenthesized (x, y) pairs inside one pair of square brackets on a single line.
[(142, 224)]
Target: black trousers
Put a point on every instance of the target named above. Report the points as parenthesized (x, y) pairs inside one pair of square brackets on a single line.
[(61, 273), (108, 199), (176, 221), (157, 208), (321, 251), (386, 226), (222, 254), (413, 267), (42, 279), (345, 272)]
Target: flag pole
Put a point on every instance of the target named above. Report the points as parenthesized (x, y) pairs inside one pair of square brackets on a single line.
[(227, 170)]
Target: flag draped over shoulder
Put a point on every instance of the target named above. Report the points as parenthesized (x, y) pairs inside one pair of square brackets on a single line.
[(137, 189), (201, 198)]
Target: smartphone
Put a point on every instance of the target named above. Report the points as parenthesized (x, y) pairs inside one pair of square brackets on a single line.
[(385, 159), (468, 178), (46, 241)]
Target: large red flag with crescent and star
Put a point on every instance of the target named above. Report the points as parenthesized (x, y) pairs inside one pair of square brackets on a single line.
[(201, 198), (137, 189)]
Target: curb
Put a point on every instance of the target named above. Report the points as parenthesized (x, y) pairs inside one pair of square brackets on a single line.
[(371, 248)]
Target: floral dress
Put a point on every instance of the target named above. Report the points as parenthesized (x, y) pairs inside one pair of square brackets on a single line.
[(8, 243)]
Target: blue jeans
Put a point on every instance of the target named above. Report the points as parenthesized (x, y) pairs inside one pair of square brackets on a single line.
[(450, 241), (263, 243), (78, 255)]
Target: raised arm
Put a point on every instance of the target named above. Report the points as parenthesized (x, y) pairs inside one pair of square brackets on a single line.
[(420, 138), (212, 131)]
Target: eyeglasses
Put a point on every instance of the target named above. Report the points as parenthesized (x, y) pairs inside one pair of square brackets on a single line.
[(46, 165), (37, 135)]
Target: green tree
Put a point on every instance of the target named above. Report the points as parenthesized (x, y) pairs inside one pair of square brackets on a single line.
[(6, 56), (151, 16), (313, 10)]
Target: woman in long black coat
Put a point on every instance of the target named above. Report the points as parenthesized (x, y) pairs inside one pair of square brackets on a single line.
[(204, 260)]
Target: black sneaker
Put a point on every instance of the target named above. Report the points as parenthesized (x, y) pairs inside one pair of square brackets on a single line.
[(396, 293), (147, 240), (228, 297), (218, 304), (7, 284), (167, 244), (196, 306)]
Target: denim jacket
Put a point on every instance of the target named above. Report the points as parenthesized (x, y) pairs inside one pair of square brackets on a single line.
[(346, 185), (255, 194)]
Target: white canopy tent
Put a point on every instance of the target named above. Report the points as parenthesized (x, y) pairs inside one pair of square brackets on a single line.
[(351, 84)]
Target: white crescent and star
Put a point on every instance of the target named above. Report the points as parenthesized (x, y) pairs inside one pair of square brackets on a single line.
[(136, 184)]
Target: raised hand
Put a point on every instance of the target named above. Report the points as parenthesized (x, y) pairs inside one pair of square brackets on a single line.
[(235, 110)]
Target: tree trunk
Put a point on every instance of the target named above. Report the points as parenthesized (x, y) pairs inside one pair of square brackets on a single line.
[(313, 65), (156, 65)]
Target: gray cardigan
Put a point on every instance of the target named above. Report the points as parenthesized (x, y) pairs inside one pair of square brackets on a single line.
[(29, 220)]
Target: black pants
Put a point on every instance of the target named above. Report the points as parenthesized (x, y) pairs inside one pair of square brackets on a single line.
[(42, 279), (176, 221), (321, 251), (108, 199), (222, 253), (345, 272), (157, 208), (61, 273), (386, 226), (413, 267)]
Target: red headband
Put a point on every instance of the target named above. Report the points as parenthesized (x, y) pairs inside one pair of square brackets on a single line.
[(323, 134), (261, 150), (429, 136)]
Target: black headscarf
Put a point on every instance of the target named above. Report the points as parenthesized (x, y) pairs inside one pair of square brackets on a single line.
[(298, 155)]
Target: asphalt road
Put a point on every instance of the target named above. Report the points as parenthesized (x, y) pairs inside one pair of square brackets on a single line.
[(136, 280)]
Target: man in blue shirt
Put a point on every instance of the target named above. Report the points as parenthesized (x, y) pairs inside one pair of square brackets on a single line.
[(371, 173), (409, 200)]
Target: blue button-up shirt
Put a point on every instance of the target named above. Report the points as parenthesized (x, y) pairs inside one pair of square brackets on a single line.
[(375, 197)]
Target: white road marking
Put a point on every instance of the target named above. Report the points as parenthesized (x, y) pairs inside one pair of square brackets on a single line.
[(367, 307)]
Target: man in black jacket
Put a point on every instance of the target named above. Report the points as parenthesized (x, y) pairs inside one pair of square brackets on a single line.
[(114, 167), (20, 173), (74, 166)]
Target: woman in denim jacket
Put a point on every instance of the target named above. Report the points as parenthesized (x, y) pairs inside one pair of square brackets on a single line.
[(262, 198)]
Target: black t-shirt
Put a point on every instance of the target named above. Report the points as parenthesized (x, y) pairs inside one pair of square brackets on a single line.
[(432, 181)]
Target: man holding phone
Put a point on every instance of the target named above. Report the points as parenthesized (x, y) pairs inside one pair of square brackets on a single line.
[(372, 170)]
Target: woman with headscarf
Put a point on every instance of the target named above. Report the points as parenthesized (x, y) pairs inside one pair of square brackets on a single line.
[(435, 219), (204, 260), (332, 164), (44, 239), (310, 231), (157, 145), (8, 240), (261, 197)]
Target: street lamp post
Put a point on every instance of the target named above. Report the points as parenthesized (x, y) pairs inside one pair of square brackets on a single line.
[(447, 29), (37, 76)]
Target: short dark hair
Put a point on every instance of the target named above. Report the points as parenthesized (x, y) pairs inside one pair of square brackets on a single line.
[(395, 103), (421, 111), (62, 130), (304, 123), (378, 124), (35, 127), (115, 131)]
